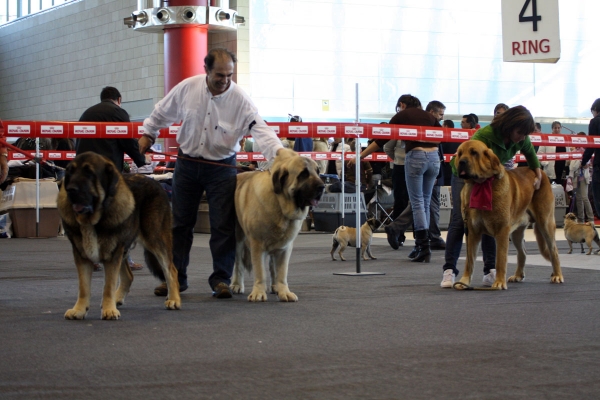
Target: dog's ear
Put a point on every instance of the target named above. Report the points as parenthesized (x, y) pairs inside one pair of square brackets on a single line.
[(279, 178), (110, 180), (497, 168)]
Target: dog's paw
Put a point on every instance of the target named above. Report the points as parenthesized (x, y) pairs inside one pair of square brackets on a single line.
[(465, 283), (499, 285), (257, 295), (111, 314), (172, 305), (571, 251), (235, 288), (516, 278), (287, 296), (75, 313), (557, 279)]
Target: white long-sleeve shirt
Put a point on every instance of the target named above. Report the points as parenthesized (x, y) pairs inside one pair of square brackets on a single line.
[(211, 126)]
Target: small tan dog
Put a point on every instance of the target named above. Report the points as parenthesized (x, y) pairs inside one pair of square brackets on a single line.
[(580, 233), (345, 236)]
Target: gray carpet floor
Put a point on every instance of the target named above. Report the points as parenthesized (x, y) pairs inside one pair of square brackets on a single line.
[(392, 336)]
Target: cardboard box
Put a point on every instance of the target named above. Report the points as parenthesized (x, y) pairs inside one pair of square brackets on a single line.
[(24, 222), (19, 200), (202, 221)]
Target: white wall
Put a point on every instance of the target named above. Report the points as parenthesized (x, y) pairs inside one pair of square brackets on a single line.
[(306, 51), (295, 53)]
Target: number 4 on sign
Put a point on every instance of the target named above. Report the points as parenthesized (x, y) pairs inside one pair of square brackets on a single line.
[(534, 17)]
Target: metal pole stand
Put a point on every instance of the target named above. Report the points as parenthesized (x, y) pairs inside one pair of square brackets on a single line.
[(358, 209)]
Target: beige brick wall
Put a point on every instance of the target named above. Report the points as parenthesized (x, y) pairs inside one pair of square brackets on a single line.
[(54, 64)]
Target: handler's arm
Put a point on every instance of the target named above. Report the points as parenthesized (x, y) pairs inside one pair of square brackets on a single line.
[(371, 148)]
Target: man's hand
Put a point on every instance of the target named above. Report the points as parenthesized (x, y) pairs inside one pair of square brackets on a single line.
[(144, 143), (538, 179)]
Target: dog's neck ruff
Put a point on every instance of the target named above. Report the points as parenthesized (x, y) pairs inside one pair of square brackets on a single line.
[(481, 195)]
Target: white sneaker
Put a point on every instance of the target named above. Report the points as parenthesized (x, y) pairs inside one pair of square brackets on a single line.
[(489, 279), (448, 279)]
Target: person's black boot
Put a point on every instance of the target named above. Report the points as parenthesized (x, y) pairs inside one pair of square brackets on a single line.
[(422, 246), (414, 252)]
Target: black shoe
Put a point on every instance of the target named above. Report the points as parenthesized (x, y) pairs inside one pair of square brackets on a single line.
[(222, 291), (391, 237), (438, 245), (401, 239), (163, 291)]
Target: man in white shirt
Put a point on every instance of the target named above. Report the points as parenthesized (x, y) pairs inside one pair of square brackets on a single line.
[(215, 115)]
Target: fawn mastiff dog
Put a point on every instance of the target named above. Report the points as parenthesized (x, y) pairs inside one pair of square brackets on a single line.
[(103, 213), (270, 207), (515, 203)]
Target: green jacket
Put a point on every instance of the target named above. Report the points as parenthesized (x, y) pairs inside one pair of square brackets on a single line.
[(494, 140)]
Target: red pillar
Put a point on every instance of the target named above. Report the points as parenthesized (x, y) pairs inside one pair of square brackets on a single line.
[(184, 52)]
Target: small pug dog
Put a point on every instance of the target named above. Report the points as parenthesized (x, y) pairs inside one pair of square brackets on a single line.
[(345, 236), (580, 233)]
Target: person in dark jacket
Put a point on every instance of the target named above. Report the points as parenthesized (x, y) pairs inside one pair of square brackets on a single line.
[(594, 130), (109, 110)]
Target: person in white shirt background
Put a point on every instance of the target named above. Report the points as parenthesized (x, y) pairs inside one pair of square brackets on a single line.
[(215, 115)]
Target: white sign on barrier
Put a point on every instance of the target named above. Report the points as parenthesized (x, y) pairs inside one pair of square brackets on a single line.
[(530, 31)]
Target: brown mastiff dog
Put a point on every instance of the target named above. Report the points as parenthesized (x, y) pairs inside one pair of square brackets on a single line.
[(270, 207), (103, 213), (515, 203)]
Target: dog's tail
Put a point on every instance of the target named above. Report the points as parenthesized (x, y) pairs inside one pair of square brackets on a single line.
[(154, 265)]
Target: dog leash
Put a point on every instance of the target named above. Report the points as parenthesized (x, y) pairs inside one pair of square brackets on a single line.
[(464, 286)]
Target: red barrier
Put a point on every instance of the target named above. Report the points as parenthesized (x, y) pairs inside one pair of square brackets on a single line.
[(53, 155), (61, 129)]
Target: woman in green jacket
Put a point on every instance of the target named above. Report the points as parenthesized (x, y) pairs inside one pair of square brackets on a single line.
[(507, 134)]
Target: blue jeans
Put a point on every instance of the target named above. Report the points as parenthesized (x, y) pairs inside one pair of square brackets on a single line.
[(421, 168), (456, 231), (405, 220), (190, 180)]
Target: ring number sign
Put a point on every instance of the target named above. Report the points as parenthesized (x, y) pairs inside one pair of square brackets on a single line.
[(530, 31)]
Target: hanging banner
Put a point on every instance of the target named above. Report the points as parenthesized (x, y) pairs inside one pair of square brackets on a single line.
[(530, 31)]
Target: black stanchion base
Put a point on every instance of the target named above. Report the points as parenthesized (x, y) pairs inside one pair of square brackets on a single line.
[(359, 273)]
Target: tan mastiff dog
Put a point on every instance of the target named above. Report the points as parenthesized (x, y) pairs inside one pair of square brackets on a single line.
[(270, 207), (514, 204)]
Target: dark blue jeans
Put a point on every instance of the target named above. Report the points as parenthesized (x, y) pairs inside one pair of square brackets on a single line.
[(190, 180), (456, 231), (596, 188)]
